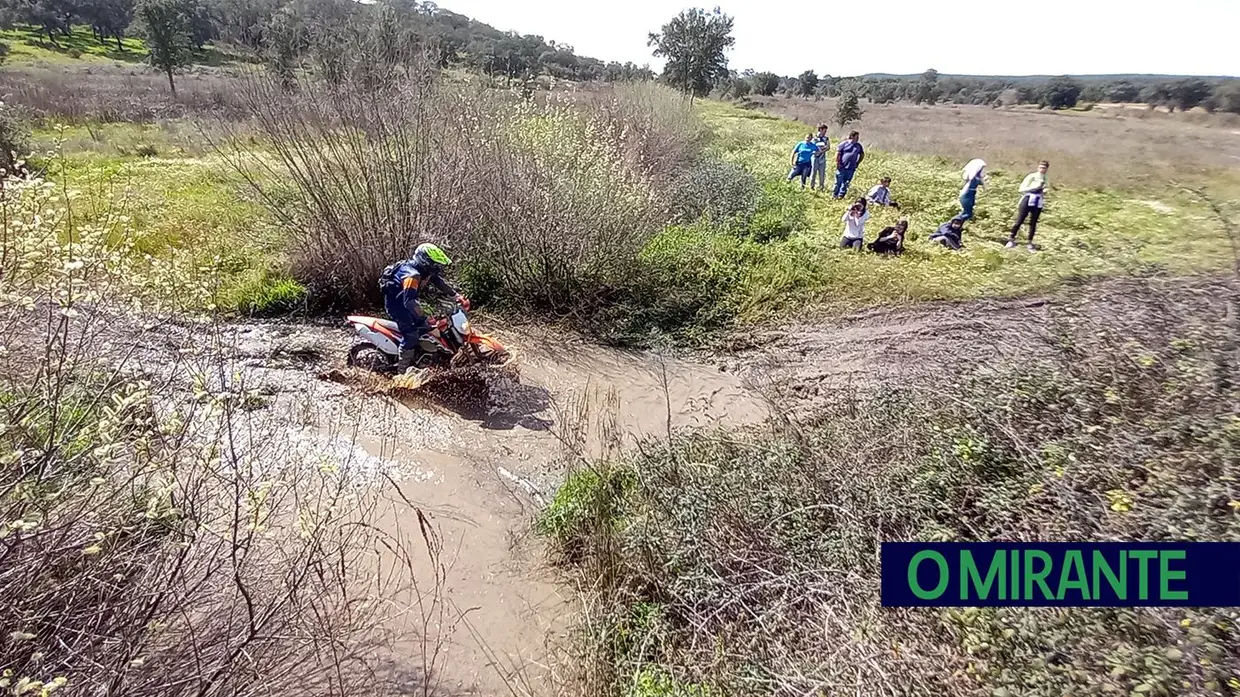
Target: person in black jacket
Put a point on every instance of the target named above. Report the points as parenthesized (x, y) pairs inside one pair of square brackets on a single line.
[(891, 239)]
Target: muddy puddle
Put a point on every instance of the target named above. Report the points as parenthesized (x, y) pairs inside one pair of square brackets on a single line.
[(479, 470)]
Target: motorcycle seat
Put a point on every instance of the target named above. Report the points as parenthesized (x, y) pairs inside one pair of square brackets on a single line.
[(372, 322)]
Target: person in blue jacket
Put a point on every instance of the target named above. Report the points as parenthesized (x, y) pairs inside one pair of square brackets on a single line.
[(401, 283)]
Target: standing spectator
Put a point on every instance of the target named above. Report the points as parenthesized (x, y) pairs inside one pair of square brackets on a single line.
[(951, 233), (881, 194), (974, 177), (820, 159), (802, 159), (854, 225), (1032, 199), (891, 239), (848, 157)]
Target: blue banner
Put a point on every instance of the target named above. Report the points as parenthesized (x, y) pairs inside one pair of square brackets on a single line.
[(1061, 574)]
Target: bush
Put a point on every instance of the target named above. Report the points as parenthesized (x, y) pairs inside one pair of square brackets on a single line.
[(545, 205), (14, 140), (725, 193), (1126, 431)]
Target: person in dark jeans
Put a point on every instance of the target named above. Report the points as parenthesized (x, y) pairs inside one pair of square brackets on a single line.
[(803, 159), (848, 157), (951, 233), (1032, 200), (974, 177)]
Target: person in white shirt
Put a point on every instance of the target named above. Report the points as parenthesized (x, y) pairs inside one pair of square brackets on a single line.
[(881, 194), (974, 178), (1032, 200), (854, 225)]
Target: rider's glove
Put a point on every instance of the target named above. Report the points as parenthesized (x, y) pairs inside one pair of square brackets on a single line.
[(464, 301)]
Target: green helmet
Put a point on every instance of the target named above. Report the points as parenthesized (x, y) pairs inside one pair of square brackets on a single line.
[(430, 253)]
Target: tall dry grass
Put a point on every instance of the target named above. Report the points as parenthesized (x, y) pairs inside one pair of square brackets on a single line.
[(545, 203), (106, 93)]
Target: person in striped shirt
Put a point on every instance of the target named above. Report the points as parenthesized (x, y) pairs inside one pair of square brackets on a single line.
[(881, 194)]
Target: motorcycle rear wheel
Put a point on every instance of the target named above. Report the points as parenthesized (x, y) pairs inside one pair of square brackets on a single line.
[(367, 356)]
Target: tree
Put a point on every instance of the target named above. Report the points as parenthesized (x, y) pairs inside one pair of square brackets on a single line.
[(1122, 92), (51, 16), (1226, 97), (927, 90), (1158, 94), (1189, 93), (807, 82), (1061, 93), (108, 19), (738, 87), (694, 44), (166, 26), (765, 84), (243, 22), (847, 109), (882, 93)]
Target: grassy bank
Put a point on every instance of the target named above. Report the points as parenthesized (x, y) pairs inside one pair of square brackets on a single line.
[(747, 563), (1085, 233), (183, 206)]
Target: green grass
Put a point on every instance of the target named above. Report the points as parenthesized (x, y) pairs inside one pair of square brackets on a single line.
[(1083, 233), (188, 207), (28, 44)]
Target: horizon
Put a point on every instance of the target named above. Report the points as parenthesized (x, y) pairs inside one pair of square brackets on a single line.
[(910, 39)]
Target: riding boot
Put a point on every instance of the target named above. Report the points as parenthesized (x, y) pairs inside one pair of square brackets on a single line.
[(406, 360)]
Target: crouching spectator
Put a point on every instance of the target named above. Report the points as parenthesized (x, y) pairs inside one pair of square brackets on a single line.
[(951, 233), (881, 194), (891, 239), (854, 225)]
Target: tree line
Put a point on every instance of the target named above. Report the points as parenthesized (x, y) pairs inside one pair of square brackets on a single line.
[(931, 88), (695, 43), (288, 32)]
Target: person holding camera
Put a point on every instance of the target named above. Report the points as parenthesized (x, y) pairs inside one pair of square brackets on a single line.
[(854, 225)]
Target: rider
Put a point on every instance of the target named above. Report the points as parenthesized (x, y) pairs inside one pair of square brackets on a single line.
[(401, 282)]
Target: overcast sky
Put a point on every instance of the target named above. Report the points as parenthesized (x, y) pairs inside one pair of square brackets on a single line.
[(999, 37)]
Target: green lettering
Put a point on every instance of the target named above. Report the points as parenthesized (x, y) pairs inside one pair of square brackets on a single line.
[(912, 575), (1118, 584), (1039, 576), (1073, 561), (1015, 574), (1166, 575), (1143, 577), (969, 575)]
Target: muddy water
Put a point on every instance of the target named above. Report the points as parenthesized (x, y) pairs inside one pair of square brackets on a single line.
[(483, 488)]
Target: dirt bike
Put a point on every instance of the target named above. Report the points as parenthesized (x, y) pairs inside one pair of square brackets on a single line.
[(450, 343)]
